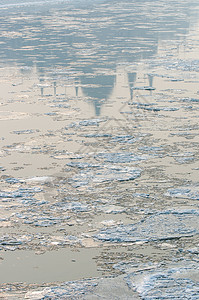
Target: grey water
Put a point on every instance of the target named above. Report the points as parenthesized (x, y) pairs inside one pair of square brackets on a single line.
[(99, 149)]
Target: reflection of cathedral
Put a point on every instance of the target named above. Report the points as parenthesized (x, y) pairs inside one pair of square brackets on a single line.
[(101, 89), (98, 88), (87, 40)]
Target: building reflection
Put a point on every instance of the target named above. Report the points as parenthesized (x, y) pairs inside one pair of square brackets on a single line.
[(79, 48), (99, 90)]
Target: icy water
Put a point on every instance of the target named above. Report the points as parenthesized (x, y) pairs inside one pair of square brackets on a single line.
[(99, 159)]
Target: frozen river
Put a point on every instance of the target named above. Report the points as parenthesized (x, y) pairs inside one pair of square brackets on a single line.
[(99, 156)]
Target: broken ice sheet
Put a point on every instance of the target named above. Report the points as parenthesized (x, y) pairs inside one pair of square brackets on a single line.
[(40, 219), (111, 209), (39, 179), (69, 290), (12, 180), (25, 131), (74, 206), (190, 100), (187, 192), (90, 289), (165, 225), (184, 157), (175, 281), (184, 160), (124, 139), (90, 122), (9, 242), (20, 193), (123, 157), (104, 174), (82, 165)]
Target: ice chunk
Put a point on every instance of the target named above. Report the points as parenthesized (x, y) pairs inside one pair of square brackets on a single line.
[(124, 139), (68, 290), (82, 165), (111, 209), (187, 192), (25, 131), (176, 281), (144, 88), (123, 157), (12, 180), (41, 220), (74, 206), (160, 226), (39, 179), (97, 135), (8, 241), (90, 122), (106, 173), (21, 194)]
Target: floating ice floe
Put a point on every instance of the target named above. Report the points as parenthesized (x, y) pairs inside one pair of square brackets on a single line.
[(194, 250), (142, 195), (192, 100), (97, 135), (104, 174), (96, 288), (187, 135), (12, 180), (22, 195), (175, 281), (160, 226), (150, 107), (187, 192), (181, 64), (73, 206), (145, 88), (123, 157), (169, 108), (27, 131), (21, 192), (124, 139), (153, 151), (82, 165), (41, 179), (111, 209), (184, 160), (12, 243), (36, 179), (91, 122), (184, 157), (68, 290), (41, 220)]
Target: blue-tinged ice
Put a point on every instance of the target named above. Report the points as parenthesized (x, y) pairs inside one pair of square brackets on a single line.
[(90, 122), (174, 281), (123, 157), (104, 174), (73, 206), (68, 290), (82, 165), (12, 180), (25, 131), (124, 139), (187, 192), (165, 225)]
